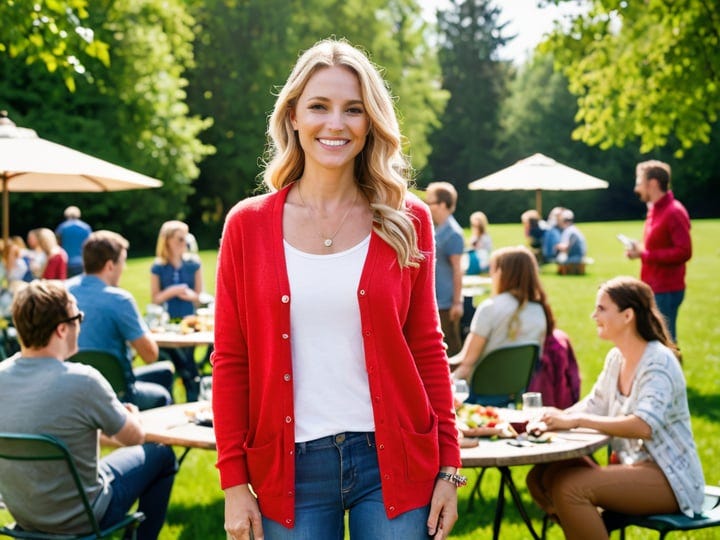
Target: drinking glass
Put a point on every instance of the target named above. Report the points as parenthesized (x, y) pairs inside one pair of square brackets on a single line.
[(205, 389), (461, 390), (532, 405)]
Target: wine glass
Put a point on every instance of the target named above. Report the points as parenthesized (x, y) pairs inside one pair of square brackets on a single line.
[(461, 390)]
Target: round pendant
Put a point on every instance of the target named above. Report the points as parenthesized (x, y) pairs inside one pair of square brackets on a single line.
[(328, 242)]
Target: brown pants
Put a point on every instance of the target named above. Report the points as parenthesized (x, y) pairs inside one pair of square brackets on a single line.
[(451, 329), (573, 490)]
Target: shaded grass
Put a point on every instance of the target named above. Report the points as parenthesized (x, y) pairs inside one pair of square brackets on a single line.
[(196, 508)]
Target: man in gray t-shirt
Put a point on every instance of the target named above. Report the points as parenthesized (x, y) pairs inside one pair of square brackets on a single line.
[(43, 394)]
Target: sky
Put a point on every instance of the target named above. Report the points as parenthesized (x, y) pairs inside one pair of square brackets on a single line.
[(525, 19)]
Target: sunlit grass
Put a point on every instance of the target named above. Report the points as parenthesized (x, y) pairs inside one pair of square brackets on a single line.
[(196, 508)]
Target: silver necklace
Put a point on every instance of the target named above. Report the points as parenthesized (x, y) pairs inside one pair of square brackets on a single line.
[(327, 240)]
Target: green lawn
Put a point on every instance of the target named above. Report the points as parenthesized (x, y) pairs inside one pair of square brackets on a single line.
[(196, 508)]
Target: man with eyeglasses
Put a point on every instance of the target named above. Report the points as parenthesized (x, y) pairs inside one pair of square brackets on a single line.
[(441, 197), (43, 394), (114, 323)]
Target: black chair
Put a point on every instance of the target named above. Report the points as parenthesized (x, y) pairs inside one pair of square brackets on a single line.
[(28, 447), (118, 373), (667, 523)]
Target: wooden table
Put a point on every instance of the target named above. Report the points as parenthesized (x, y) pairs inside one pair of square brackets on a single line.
[(503, 455), (173, 425), (174, 340)]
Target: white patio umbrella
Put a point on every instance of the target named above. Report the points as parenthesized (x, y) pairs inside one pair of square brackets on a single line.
[(538, 173), (31, 164)]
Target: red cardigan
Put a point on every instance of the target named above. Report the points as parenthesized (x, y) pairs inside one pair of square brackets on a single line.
[(667, 245), (252, 370)]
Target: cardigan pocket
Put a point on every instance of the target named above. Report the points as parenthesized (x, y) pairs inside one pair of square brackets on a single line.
[(422, 452), (265, 466)]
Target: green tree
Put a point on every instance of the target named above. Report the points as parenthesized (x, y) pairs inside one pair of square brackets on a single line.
[(133, 114), (538, 116), (463, 149), (50, 32), (245, 50), (643, 70)]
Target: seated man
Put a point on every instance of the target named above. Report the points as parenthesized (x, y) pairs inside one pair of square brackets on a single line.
[(41, 393), (113, 318), (572, 247)]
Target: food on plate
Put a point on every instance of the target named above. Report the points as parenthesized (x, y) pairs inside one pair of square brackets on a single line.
[(202, 415), (196, 323), (482, 421)]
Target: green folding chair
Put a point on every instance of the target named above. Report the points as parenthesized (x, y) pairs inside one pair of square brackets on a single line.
[(118, 373), (29, 447), (504, 374)]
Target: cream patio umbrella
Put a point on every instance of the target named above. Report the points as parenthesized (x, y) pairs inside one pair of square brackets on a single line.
[(31, 164), (538, 173)]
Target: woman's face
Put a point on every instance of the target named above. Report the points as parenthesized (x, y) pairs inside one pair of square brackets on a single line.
[(610, 321), (177, 242), (330, 119)]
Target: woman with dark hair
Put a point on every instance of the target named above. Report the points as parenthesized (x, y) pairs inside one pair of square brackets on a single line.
[(516, 313), (639, 400)]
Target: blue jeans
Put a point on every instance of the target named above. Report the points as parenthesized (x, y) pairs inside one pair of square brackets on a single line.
[(339, 473), (142, 472), (669, 303), (153, 385)]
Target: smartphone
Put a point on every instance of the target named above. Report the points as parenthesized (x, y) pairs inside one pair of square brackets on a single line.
[(629, 244)]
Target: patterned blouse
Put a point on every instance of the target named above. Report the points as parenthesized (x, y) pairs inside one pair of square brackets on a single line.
[(659, 398)]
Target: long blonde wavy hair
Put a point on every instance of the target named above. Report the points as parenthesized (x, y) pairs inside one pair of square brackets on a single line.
[(381, 170)]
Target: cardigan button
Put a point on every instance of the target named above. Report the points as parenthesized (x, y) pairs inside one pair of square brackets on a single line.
[(391, 508), (362, 292), (288, 419), (285, 299), (381, 446), (288, 521), (286, 377), (387, 477), (285, 336)]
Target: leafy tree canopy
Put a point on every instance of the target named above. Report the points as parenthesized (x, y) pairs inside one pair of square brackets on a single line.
[(643, 70), (51, 32)]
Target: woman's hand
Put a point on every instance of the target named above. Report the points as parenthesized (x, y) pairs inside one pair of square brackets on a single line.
[(242, 514), (443, 510), (556, 420)]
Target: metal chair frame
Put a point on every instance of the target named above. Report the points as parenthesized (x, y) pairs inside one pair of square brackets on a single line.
[(667, 523), (31, 447)]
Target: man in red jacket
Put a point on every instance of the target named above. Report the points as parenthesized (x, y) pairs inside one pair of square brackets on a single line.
[(666, 244)]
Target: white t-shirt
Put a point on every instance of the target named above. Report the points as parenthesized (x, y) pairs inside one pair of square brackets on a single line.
[(331, 390), (492, 321)]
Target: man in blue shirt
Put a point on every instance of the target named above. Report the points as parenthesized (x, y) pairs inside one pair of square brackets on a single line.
[(113, 320), (71, 234), (441, 197)]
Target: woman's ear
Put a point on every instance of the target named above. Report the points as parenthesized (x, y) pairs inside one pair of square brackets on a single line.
[(292, 116)]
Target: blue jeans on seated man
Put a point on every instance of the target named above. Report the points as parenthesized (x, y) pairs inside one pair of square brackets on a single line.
[(142, 472), (669, 304), (338, 473), (153, 385)]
